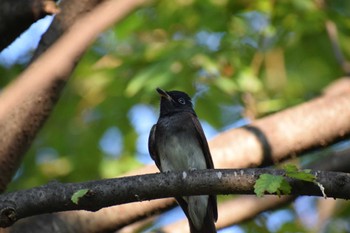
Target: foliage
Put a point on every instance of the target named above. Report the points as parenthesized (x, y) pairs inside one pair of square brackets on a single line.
[(293, 172), (278, 184), (271, 184)]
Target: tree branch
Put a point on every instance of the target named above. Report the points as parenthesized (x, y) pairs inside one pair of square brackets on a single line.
[(71, 10), (311, 125), (17, 15), (27, 102), (55, 197)]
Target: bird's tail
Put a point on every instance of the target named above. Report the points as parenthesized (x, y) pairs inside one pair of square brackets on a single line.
[(208, 225)]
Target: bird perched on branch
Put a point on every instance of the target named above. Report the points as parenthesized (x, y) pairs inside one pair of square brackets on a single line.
[(177, 143)]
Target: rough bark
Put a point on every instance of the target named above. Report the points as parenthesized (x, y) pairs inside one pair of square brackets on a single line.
[(27, 107), (56, 66), (311, 125), (36, 82), (55, 197)]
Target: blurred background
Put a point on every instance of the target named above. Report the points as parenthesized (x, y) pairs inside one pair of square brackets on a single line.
[(239, 60)]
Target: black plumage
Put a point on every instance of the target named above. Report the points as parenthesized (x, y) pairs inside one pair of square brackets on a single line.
[(177, 143)]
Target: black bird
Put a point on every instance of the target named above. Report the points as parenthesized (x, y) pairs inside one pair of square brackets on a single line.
[(177, 143)]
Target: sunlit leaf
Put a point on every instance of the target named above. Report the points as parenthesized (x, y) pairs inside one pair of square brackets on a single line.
[(79, 194), (271, 184), (293, 172)]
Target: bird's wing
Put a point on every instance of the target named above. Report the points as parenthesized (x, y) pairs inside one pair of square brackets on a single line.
[(210, 165), (152, 146), (203, 141)]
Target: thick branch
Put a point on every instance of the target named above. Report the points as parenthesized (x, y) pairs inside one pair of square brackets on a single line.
[(314, 124), (27, 102), (56, 197)]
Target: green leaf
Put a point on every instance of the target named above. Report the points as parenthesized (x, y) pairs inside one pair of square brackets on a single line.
[(284, 188), (79, 194), (289, 168), (271, 184), (293, 172)]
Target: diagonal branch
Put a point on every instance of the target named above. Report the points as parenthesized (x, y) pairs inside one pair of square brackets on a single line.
[(296, 130), (27, 102), (70, 11)]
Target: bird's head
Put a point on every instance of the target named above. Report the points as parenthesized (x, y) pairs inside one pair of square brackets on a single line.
[(174, 101)]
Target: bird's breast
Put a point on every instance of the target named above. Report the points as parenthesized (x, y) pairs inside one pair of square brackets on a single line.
[(178, 146)]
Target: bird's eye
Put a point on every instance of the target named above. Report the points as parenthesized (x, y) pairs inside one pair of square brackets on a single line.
[(181, 101)]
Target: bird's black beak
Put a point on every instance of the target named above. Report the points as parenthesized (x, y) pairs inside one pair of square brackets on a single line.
[(164, 94)]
